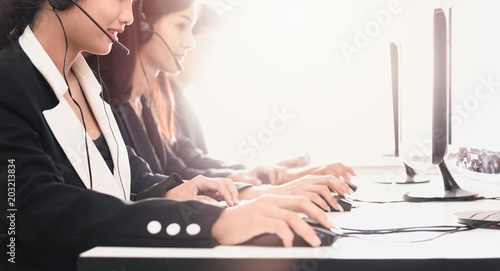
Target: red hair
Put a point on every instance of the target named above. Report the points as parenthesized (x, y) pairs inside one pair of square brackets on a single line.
[(163, 107)]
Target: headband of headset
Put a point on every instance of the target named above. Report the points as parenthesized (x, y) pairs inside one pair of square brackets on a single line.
[(145, 29), (60, 4)]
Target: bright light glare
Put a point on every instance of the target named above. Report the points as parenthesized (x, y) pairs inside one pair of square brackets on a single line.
[(475, 75), (281, 85)]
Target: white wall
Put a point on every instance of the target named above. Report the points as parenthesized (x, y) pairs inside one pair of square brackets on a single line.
[(476, 74), (323, 63)]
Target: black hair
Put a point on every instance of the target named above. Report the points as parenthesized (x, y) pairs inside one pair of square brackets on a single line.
[(15, 16), (117, 70)]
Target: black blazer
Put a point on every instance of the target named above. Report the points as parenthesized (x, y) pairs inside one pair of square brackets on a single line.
[(152, 147), (186, 121), (56, 215), (191, 146)]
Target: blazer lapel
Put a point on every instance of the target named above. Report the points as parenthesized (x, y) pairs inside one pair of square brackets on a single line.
[(107, 123), (70, 133)]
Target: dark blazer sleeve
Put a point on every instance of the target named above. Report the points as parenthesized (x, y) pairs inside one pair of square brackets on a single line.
[(150, 145), (179, 166), (55, 212), (142, 179), (147, 184)]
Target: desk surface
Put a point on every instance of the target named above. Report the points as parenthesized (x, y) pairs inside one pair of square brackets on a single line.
[(478, 246)]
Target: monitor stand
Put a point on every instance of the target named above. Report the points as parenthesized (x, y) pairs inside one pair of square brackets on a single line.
[(411, 178), (451, 192)]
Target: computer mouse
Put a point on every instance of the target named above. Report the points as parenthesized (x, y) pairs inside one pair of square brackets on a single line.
[(351, 185), (327, 237), (345, 203)]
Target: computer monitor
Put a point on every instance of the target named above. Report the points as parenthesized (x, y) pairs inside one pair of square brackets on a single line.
[(394, 55), (440, 119), (411, 176)]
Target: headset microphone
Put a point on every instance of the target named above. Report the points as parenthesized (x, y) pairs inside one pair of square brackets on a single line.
[(121, 48), (177, 63), (64, 4)]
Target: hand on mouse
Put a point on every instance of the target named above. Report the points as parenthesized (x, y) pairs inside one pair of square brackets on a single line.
[(314, 188), (269, 214)]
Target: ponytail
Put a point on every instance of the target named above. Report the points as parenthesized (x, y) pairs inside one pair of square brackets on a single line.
[(15, 16)]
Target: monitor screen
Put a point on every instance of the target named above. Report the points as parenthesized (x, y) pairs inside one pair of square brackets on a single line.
[(440, 119), (424, 92), (394, 55), (411, 176), (440, 105)]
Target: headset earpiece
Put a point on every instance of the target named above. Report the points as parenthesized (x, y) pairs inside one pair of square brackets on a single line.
[(60, 4), (145, 29), (146, 32)]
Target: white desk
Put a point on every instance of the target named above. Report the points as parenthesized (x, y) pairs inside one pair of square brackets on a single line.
[(458, 251)]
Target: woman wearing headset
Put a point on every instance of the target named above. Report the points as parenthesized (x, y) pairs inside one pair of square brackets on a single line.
[(156, 49), (68, 190), (190, 137), (136, 89)]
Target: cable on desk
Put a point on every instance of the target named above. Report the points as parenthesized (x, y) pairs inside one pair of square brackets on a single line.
[(493, 198), (378, 202), (423, 200), (414, 241), (349, 232)]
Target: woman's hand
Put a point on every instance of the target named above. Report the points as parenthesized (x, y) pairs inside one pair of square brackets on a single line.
[(314, 188), (296, 162), (243, 176), (270, 174), (269, 214), (210, 189), (338, 170)]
